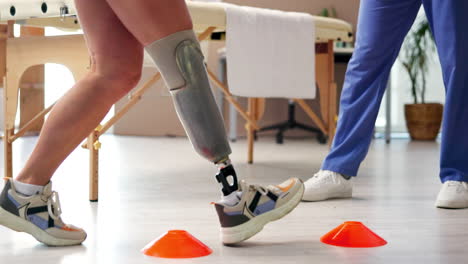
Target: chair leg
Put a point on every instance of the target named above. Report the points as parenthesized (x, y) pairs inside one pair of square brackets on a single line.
[(7, 154), (93, 166), (10, 102), (333, 112), (250, 130)]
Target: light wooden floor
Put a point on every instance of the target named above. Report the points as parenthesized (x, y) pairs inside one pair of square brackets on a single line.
[(151, 185)]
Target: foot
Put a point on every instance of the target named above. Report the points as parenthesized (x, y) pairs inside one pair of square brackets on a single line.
[(37, 215), (453, 194), (257, 206), (327, 185)]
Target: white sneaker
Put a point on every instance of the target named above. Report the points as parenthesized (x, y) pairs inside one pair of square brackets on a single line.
[(453, 194), (326, 185)]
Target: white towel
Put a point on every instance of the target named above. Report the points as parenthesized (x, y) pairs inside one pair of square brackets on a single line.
[(270, 53)]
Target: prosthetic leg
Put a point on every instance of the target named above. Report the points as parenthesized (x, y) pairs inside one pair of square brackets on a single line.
[(181, 64)]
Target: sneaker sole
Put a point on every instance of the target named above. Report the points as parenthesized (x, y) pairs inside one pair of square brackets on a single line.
[(237, 234), (444, 204), (18, 224)]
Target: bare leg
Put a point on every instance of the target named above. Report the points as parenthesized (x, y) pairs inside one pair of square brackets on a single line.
[(117, 58), (150, 20)]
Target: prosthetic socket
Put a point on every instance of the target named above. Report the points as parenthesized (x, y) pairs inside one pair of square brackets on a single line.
[(181, 64)]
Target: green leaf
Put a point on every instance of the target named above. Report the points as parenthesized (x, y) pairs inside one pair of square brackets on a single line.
[(414, 57)]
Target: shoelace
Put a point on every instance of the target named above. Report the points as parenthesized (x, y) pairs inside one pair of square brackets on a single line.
[(264, 190), (457, 183), (459, 186), (322, 173), (325, 175), (259, 188), (53, 206)]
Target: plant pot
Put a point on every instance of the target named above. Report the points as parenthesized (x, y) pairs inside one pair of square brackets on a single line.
[(423, 120)]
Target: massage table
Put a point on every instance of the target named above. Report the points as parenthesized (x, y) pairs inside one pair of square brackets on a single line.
[(19, 54)]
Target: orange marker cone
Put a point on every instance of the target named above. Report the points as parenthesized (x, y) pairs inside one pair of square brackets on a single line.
[(176, 244), (353, 234)]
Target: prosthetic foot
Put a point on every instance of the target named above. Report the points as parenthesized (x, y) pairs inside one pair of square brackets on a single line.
[(256, 207)]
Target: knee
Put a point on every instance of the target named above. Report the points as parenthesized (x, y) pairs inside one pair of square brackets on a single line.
[(116, 75), (119, 82), (124, 79)]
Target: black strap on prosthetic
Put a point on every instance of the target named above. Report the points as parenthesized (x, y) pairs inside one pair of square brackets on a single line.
[(222, 177)]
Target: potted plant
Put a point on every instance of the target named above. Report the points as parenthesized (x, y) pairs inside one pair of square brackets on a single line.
[(423, 119)]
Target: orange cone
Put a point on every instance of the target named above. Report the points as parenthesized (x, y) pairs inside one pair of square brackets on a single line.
[(353, 234), (176, 244)]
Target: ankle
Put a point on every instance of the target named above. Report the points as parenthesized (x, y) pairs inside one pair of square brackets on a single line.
[(26, 188), (227, 177), (31, 179)]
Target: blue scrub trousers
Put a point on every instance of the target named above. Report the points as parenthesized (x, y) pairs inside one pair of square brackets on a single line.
[(382, 26)]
